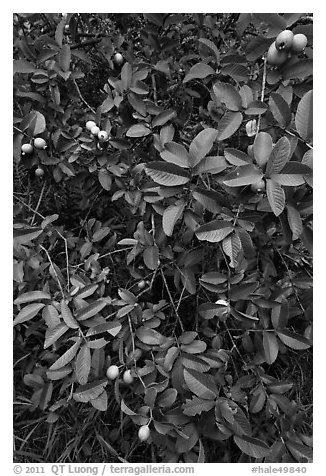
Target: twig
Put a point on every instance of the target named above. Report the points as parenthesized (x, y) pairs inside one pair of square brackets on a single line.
[(154, 89), (29, 207), (81, 97), (56, 274), (39, 202), (133, 351), (171, 300), (262, 91)]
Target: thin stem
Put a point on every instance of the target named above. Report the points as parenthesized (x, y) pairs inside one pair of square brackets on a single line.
[(39, 202), (262, 91), (171, 300), (81, 97), (56, 274)]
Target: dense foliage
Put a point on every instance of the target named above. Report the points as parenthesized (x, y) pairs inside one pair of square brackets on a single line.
[(169, 241)]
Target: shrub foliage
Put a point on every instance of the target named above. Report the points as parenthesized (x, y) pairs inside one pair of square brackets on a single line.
[(178, 248)]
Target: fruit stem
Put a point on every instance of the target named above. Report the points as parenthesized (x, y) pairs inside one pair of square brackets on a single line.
[(262, 91)]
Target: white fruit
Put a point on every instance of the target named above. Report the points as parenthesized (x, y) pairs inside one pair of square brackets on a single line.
[(222, 302), (112, 372), (127, 377), (143, 433), (118, 58), (90, 124), (39, 143), (103, 136), (95, 130), (27, 148), (39, 172)]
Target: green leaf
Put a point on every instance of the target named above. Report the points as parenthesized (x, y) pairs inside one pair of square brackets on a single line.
[(243, 175), (232, 247), (167, 398), (83, 365), (295, 222), (304, 117), (198, 71), (279, 156), (229, 124), (280, 110), (53, 334), (23, 66), (22, 236), (276, 196), (228, 95), (50, 316), (263, 146), (175, 153), (105, 179), (90, 310), (201, 145), (149, 336), (293, 340), (200, 384), (195, 406), (126, 75), (302, 453), (256, 108), (31, 296), (210, 165), (236, 157), (167, 174), (101, 402), (252, 446), (112, 328), (210, 199), (138, 130), (90, 391), (65, 57), (151, 257), (28, 312), (164, 117), (170, 216), (214, 231), (66, 357), (211, 46), (67, 316), (257, 47), (59, 32), (302, 69), (270, 345)]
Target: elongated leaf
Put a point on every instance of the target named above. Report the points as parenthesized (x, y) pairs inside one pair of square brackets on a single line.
[(232, 247), (200, 384), (59, 32), (214, 231), (276, 196), (90, 310), (25, 235), (263, 146), (166, 174), (51, 316), (53, 334), (279, 156), (229, 124), (304, 116), (209, 199), (149, 336), (293, 340), (23, 66), (101, 402), (28, 312), (126, 75), (257, 47), (195, 406), (302, 453), (295, 222), (138, 130), (302, 69), (164, 117), (112, 328), (201, 145), (65, 57), (90, 391), (66, 357), (211, 46), (244, 175), (105, 179), (83, 365), (198, 71), (31, 296), (171, 215), (280, 110), (210, 165), (67, 316), (167, 398), (252, 446), (228, 95), (236, 157), (151, 257), (175, 153), (270, 345), (256, 108)]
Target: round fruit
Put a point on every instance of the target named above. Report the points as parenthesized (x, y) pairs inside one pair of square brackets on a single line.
[(39, 172), (276, 57), (95, 130), (103, 136), (39, 143), (284, 40), (299, 43), (90, 124), (118, 58), (112, 372), (259, 186), (141, 284), (127, 377), (143, 433), (27, 148)]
